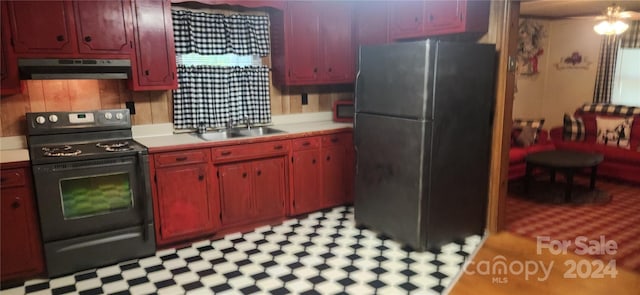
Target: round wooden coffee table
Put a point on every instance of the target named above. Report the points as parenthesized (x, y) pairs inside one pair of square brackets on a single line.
[(568, 162)]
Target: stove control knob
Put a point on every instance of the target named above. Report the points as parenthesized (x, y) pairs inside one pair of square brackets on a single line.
[(108, 116), (119, 116), (53, 118), (40, 120)]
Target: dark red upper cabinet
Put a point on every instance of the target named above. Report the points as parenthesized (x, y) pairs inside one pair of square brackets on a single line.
[(9, 80), (156, 60), (337, 49), (103, 26), (312, 43), (71, 28), (42, 27), (371, 23), (302, 43), (456, 16), (406, 19), (423, 19)]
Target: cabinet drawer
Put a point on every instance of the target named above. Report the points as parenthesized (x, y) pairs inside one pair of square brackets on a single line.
[(181, 158), (253, 150), (306, 143), (12, 177), (336, 139)]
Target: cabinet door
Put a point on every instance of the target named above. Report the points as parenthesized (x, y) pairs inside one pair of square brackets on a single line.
[(406, 19), (21, 253), (334, 175), (183, 201), (337, 49), (155, 55), (443, 16), (269, 188), (104, 26), (42, 26), (371, 23), (235, 192), (306, 181), (9, 80), (302, 41)]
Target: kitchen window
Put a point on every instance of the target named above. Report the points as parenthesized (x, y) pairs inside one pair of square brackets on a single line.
[(221, 78)]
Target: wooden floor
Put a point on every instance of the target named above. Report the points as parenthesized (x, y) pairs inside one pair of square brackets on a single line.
[(516, 251)]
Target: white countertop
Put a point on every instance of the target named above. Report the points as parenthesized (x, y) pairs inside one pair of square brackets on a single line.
[(190, 138), (14, 148), (15, 155)]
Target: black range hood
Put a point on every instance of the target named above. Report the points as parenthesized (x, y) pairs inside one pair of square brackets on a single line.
[(56, 69)]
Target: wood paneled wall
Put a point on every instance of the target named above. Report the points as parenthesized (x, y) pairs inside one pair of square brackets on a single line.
[(152, 107), (79, 95), (288, 100)]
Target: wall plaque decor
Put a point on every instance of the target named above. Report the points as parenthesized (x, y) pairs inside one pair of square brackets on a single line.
[(573, 61)]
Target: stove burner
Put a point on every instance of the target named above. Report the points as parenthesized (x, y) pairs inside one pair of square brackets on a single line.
[(119, 146), (60, 151)]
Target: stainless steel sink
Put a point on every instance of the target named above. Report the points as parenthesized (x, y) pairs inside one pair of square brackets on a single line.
[(218, 135), (236, 133), (258, 131)]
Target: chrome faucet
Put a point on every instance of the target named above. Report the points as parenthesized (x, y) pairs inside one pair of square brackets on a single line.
[(230, 123), (202, 128), (247, 121)]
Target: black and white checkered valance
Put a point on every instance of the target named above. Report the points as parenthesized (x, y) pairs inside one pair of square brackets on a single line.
[(208, 34), (610, 109), (213, 96)]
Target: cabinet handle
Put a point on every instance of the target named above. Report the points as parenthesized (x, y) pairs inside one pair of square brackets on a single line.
[(226, 153), (415, 19), (330, 70), (181, 159), (278, 147), (430, 17), (313, 161), (306, 143), (328, 158), (315, 70), (16, 203), (259, 172), (201, 177), (146, 72), (60, 38), (244, 175), (87, 38), (335, 139)]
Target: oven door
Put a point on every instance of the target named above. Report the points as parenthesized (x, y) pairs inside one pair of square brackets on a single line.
[(87, 197)]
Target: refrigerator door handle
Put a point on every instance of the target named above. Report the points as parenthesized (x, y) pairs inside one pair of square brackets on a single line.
[(355, 101), (355, 151)]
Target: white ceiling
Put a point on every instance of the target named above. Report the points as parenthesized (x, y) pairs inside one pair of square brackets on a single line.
[(569, 8)]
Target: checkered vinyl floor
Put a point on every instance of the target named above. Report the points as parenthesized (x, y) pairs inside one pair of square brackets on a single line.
[(323, 253)]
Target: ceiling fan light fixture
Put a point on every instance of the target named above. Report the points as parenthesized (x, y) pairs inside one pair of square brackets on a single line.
[(611, 27)]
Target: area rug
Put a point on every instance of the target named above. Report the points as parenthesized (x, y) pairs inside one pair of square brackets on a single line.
[(617, 220), (541, 190)]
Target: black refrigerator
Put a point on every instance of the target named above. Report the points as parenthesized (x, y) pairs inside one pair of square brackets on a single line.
[(423, 138)]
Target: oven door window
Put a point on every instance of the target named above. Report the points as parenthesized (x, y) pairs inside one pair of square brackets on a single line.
[(95, 195)]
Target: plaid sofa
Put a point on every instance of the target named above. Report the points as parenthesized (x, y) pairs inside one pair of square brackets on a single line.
[(619, 163)]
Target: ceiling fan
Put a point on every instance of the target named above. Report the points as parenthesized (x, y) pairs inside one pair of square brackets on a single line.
[(614, 20)]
